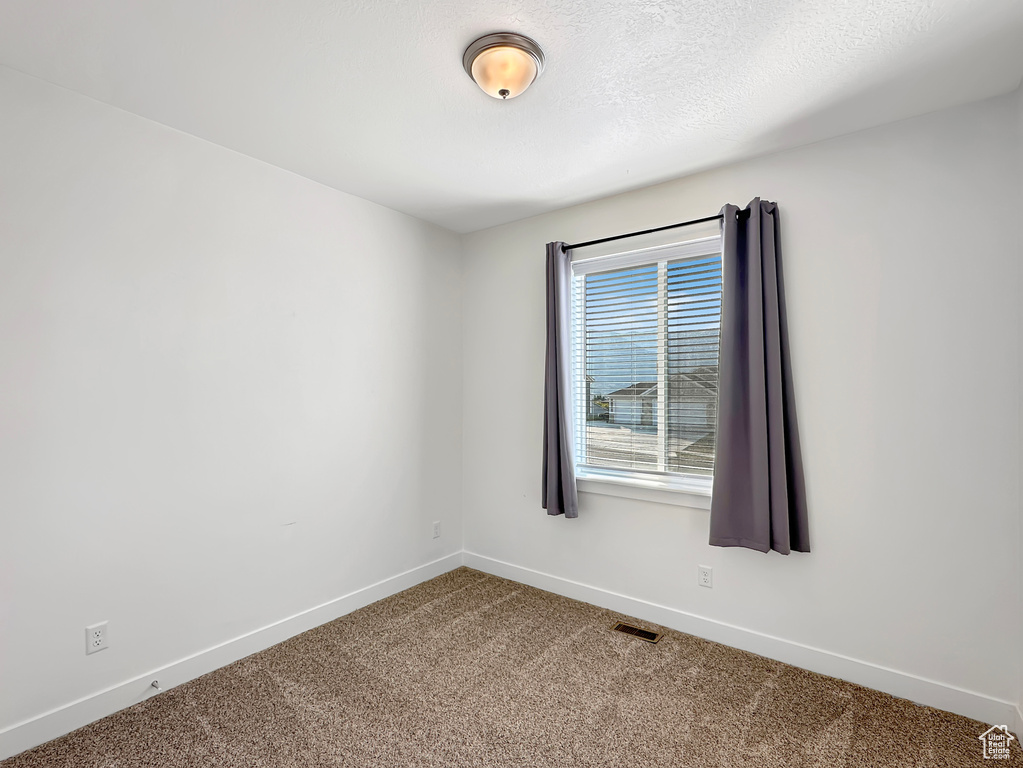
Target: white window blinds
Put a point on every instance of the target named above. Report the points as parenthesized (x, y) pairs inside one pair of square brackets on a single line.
[(645, 328)]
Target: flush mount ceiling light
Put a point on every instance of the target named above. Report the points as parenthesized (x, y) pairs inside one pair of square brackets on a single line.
[(503, 64)]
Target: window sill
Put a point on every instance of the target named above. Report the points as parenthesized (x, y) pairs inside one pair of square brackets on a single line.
[(678, 493)]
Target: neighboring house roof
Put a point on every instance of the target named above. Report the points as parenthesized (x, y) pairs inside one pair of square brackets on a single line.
[(643, 389), (705, 377)]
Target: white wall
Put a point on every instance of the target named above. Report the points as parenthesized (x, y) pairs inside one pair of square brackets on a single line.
[(227, 394), (902, 272), (1019, 521)]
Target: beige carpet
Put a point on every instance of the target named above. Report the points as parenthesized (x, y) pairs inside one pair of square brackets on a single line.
[(472, 670)]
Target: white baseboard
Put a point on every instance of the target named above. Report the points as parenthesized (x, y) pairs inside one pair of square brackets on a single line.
[(49, 725), (1017, 726), (901, 684), (57, 722)]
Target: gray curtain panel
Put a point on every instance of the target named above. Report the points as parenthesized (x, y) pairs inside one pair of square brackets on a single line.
[(759, 495), (559, 490)]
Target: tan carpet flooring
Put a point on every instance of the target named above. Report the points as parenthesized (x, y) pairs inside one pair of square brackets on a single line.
[(472, 670)]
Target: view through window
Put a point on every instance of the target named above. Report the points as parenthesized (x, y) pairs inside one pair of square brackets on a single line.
[(645, 352)]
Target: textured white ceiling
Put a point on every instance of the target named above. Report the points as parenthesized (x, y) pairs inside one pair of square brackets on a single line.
[(370, 96)]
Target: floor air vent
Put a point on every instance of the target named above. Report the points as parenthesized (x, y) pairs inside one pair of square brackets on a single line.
[(642, 634)]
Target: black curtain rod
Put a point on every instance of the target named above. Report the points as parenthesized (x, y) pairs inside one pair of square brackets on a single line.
[(576, 246)]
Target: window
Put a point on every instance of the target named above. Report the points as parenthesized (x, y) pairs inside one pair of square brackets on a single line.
[(645, 327)]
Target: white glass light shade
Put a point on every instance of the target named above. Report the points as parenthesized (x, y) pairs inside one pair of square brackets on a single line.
[(504, 72), (503, 64)]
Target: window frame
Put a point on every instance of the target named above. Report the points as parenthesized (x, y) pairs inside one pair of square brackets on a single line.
[(662, 486)]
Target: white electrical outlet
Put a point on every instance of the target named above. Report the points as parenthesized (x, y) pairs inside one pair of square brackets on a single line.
[(705, 576), (436, 529), (96, 637)]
